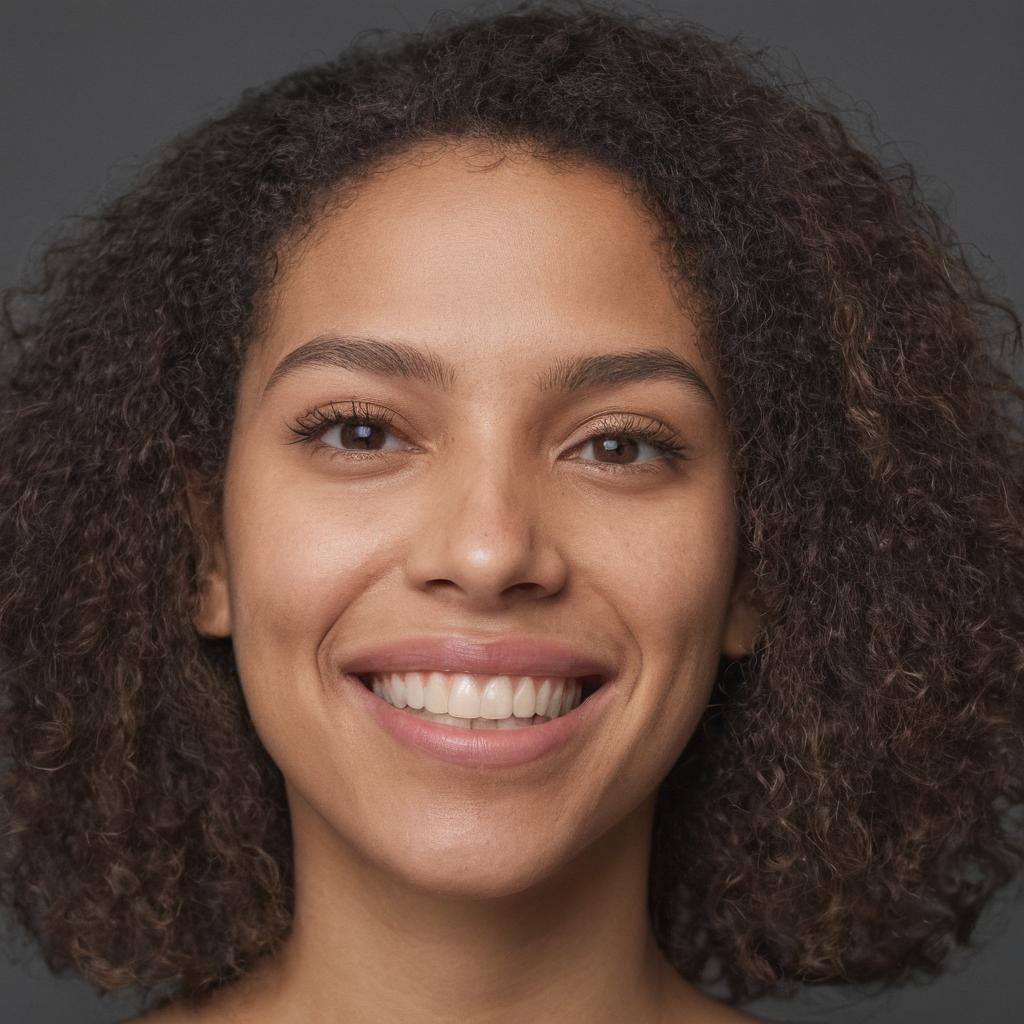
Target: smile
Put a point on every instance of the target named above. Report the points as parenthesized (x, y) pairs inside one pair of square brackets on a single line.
[(481, 701), (481, 742)]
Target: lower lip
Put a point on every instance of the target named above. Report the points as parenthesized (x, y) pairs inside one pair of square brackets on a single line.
[(486, 748)]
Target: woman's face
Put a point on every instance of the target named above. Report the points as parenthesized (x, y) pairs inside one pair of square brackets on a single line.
[(499, 502)]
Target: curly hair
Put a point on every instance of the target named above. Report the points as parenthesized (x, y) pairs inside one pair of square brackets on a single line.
[(840, 812)]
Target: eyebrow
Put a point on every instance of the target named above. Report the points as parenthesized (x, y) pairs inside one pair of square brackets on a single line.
[(398, 359)]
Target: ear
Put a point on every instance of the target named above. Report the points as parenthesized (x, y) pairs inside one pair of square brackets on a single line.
[(212, 616), (743, 621)]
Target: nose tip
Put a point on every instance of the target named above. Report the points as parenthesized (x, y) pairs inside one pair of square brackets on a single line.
[(488, 541)]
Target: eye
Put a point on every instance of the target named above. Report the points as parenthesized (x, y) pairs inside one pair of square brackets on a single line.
[(350, 427), (360, 431), (620, 440)]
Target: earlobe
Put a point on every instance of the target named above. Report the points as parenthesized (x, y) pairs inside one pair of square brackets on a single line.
[(213, 617), (744, 619), (212, 609)]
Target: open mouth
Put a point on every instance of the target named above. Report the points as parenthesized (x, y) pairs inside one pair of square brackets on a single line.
[(589, 684), (480, 701)]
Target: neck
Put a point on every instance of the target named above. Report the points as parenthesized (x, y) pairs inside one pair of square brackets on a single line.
[(576, 946)]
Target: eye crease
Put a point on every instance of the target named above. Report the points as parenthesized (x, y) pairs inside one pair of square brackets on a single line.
[(358, 421)]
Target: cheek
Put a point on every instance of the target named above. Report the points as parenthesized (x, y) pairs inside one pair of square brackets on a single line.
[(301, 547), (300, 553), (668, 567), (670, 581)]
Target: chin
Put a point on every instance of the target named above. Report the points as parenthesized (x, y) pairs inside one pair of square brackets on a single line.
[(475, 871)]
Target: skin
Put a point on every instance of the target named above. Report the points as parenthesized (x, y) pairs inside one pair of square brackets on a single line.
[(424, 891)]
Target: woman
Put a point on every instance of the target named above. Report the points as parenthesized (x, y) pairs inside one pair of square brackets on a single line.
[(498, 524)]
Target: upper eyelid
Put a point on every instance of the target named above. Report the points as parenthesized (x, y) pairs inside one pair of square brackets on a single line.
[(325, 411), (326, 416), (626, 423)]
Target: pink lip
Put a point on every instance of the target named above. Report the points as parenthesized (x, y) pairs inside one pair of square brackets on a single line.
[(484, 748), (509, 655)]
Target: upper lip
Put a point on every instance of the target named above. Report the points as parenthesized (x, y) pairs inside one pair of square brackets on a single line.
[(507, 655)]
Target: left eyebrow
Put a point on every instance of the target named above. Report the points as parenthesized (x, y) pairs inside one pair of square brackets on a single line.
[(398, 359), (613, 368)]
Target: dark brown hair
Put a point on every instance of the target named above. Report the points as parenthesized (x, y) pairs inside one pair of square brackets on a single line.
[(839, 814)]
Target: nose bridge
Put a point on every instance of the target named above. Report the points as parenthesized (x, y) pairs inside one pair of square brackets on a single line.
[(485, 530), (499, 496)]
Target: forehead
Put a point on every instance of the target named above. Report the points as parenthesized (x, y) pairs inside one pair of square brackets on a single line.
[(491, 258)]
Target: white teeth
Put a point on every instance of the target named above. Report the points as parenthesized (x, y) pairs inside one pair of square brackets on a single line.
[(396, 684), (556, 706), (481, 700), (464, 698), (435, 694), (543, 698), (477, 723), (523, 699), (496, 700), (413, 688)]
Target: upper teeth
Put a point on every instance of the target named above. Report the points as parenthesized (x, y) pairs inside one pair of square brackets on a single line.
[(472, 696)]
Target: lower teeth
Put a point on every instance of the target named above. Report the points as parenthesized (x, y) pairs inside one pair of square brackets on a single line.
[(476, 723)]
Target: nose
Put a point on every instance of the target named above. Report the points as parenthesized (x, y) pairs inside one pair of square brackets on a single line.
[(487, 537)]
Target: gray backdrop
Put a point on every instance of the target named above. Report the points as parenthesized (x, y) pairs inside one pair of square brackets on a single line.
[(88, 91)]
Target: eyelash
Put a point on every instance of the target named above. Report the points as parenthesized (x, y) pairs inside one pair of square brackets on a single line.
[(318, 421)]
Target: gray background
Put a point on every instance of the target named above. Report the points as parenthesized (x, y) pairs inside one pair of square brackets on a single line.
[(88, 91)]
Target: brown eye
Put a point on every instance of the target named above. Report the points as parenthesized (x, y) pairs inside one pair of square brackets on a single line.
[(617, 450), (358, 429), (619, 446), (361, 434)]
